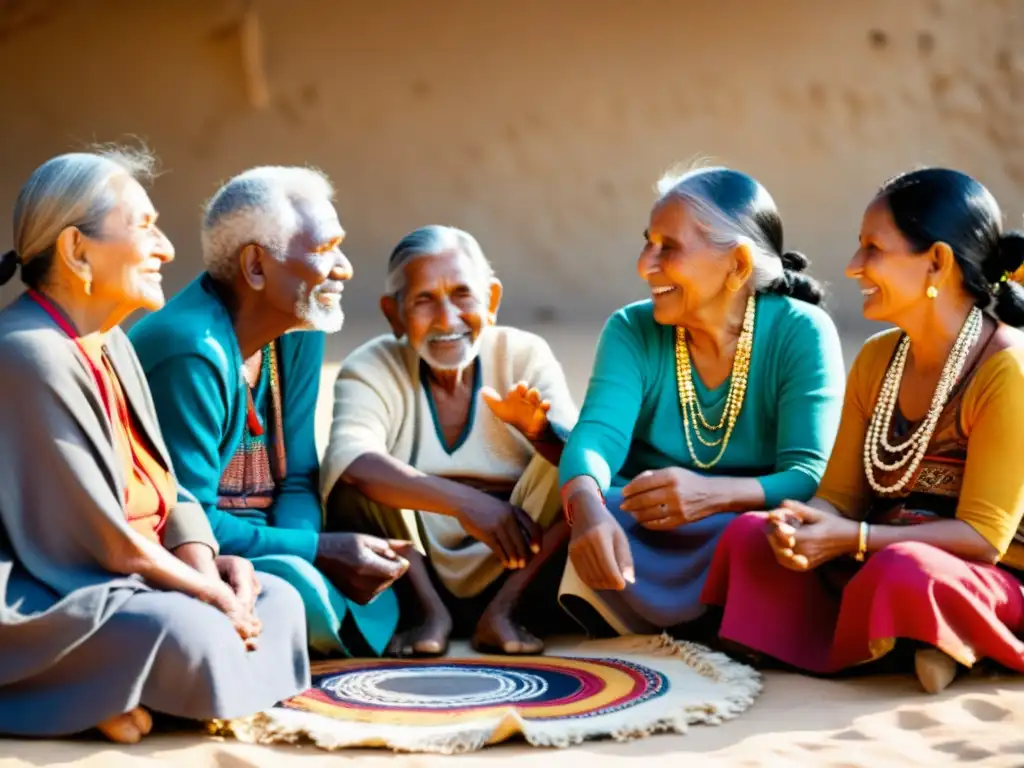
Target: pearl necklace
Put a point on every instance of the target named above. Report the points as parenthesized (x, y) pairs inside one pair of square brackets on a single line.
[(733, 401), (911, 451)]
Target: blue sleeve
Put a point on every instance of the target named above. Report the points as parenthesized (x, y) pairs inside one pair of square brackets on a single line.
[(190, 400), (297, 506), (600, 441), (811, 379)]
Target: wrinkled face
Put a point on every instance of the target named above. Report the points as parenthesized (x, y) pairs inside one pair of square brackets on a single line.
[(685, 272), (892, 278), (444, 307), (307, 283), (125, 258)]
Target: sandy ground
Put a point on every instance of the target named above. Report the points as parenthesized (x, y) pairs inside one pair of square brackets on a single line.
[(872, 722), (875, 722)]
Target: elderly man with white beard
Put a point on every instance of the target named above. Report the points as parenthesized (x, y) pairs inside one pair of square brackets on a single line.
[(415, 455), (233, 362)]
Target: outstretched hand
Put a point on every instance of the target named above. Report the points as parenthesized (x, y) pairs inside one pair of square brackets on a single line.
[(522, 407)]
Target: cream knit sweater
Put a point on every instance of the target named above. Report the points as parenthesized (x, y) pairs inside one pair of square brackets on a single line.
[(379, 403)]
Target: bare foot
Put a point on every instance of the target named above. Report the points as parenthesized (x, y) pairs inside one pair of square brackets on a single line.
[(935, 670), (497, 632), (128, 728), (425, 640)]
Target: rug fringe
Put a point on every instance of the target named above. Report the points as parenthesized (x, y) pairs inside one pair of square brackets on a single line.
[(744, 684), (734, 687)]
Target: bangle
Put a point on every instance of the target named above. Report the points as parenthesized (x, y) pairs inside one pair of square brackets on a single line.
[(862, 542)]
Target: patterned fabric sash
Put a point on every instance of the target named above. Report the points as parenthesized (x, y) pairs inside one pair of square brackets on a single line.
[(934, 490), (259, 463)]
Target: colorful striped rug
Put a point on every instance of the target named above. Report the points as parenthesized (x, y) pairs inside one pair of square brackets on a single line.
[(623, 688)]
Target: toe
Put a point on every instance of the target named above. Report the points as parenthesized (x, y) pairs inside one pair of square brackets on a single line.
[(533, 646), (935, 670), (142, 720), (121, 730), (527, 642), (429, 645)]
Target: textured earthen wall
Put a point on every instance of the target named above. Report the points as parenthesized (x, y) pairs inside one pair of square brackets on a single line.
[(538, 125)]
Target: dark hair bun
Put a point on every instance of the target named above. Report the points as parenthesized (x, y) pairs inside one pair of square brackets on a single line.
[(8, 266), (1011, 252), (794, 261)]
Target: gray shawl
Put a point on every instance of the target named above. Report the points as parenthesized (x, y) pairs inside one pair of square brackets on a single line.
[(61, 492)]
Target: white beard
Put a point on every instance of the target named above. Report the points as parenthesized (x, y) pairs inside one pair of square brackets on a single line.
[(315, 315), (470, 353)]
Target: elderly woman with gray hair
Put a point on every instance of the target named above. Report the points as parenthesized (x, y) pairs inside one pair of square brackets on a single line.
[(112, 597), (719, 394), (236, 390)]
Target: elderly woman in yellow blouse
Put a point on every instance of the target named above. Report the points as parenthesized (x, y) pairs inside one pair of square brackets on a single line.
[(915, 533)]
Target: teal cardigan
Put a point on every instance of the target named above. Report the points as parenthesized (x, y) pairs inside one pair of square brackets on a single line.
[(191, 358), (631, 419)]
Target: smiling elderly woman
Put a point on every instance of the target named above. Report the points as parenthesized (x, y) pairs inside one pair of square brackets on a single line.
[(718, 395), (99, 616), (916, 530)]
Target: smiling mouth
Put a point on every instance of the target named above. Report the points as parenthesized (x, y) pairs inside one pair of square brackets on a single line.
[(662, 290), (330, 298), (449, 338), (865, 292)]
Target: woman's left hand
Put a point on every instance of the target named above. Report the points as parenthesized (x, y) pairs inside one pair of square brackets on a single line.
[(804, 537), (238, 573), (660, 499)]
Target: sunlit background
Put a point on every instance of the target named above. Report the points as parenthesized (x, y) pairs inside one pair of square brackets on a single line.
[(538, 125)]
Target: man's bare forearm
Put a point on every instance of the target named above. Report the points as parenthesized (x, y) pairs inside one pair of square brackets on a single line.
[(390, 482)]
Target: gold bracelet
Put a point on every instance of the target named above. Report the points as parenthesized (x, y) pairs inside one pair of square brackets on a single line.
[(862, 542)]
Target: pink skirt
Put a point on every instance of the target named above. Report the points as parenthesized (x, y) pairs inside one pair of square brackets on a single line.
[(841, 614)]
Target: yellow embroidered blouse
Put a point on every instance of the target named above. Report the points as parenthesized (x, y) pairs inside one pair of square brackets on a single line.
[(978, 458)]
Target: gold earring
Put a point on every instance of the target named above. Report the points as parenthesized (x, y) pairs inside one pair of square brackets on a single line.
[(932, 292)]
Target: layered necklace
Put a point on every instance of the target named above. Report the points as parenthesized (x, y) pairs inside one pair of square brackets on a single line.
[(692, 414), (910, 452)]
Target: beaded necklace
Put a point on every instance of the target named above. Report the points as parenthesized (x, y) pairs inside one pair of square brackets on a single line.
[(733, 401), (912, 450)]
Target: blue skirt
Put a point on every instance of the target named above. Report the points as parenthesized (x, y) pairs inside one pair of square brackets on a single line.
[(671, 568)]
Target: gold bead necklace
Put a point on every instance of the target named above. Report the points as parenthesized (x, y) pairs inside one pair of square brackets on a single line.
[(733, 401)]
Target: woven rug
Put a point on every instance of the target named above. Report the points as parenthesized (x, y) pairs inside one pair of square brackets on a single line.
[(623, 688)]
